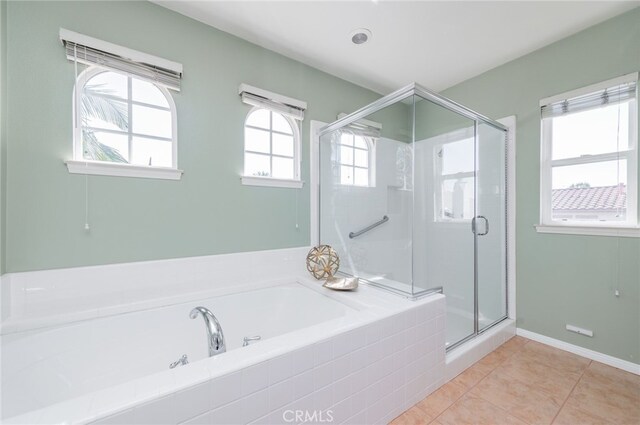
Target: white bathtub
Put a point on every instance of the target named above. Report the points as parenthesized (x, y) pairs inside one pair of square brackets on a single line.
[(95, 354), (362, 356)]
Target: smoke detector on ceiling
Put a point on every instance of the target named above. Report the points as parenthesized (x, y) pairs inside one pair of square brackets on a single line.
[(360, 36)]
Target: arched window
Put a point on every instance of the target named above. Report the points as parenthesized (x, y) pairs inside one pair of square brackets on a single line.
[(271, 145), (355, 158), (122, 119)]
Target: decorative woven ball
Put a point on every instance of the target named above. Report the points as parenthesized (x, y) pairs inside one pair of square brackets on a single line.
[(323, 262)]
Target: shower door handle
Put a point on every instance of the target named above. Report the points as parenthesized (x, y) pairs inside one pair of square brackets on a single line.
[(486, 225)]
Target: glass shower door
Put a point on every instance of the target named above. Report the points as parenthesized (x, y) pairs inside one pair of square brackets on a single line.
[(490, 225), (444, 207)]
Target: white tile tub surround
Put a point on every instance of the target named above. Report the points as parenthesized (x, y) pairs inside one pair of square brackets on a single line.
[(369, 374), (368, 365), (44, 298)]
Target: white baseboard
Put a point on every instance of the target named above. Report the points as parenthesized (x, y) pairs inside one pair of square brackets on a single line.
[(584, 352)]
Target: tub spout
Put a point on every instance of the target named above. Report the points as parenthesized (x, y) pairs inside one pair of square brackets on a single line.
[(215, 337)]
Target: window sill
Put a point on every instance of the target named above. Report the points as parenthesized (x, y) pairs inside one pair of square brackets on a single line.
[(271, 182), (629, 232), (99, 168)]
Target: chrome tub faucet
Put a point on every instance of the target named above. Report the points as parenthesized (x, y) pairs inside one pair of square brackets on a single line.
[(215, 337), (184, 360)]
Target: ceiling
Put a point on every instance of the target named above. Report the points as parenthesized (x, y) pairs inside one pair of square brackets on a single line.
[(436, 44)]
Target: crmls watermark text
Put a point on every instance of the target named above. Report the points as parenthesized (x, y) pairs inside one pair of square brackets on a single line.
[(308, 416)]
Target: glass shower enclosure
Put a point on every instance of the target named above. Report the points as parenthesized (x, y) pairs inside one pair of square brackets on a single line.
[(412, 196)]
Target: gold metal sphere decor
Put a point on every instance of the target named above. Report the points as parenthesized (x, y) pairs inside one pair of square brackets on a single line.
[(323, 262)]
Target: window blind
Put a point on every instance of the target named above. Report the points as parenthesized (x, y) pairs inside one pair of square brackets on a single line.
[(284, 105), (614, 94), (91, 51)]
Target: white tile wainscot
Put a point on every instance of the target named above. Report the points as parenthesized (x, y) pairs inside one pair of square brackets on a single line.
[(369, 374)]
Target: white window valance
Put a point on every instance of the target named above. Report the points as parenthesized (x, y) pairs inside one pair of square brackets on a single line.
[(92, 51), (284, 105)]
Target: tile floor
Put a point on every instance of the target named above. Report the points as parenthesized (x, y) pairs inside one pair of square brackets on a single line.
[(525, 382)]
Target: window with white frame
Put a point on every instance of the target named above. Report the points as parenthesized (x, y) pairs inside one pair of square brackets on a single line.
[(123, 115), (270, 145), (455, 177), (355, 157), (125, 120), (589, 156), (271, 138)]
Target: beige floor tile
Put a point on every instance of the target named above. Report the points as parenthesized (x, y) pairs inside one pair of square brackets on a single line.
[(471, 410), (520, 340), (472, 376), (570, 415), (517, 398), (505, 351), (441, 399), (615, 380), (514, 344), (527, 382), (555, 382), (555, 358), (493, 360), (413, 416), (599, 400)]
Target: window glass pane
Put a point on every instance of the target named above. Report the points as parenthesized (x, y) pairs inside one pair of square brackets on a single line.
[(457, 157), (346, 139), (457, 199), (361, 177), (257, 165), (281, 124), (594, 192), (102, 112), (346, 155), (100, 146), (591, 132), (110, 83), (361, 158), (360, 142), (282, 145), (282, 168), (143, 91), (598, 174), (256, 140), (346, 175), (151, 122), (155, 153), (259, 118)]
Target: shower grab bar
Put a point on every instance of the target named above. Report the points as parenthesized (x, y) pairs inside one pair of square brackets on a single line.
[(366, 229)]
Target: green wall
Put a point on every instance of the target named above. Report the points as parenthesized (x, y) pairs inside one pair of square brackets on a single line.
[(208, 211), (563, 278), (3, 130)]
